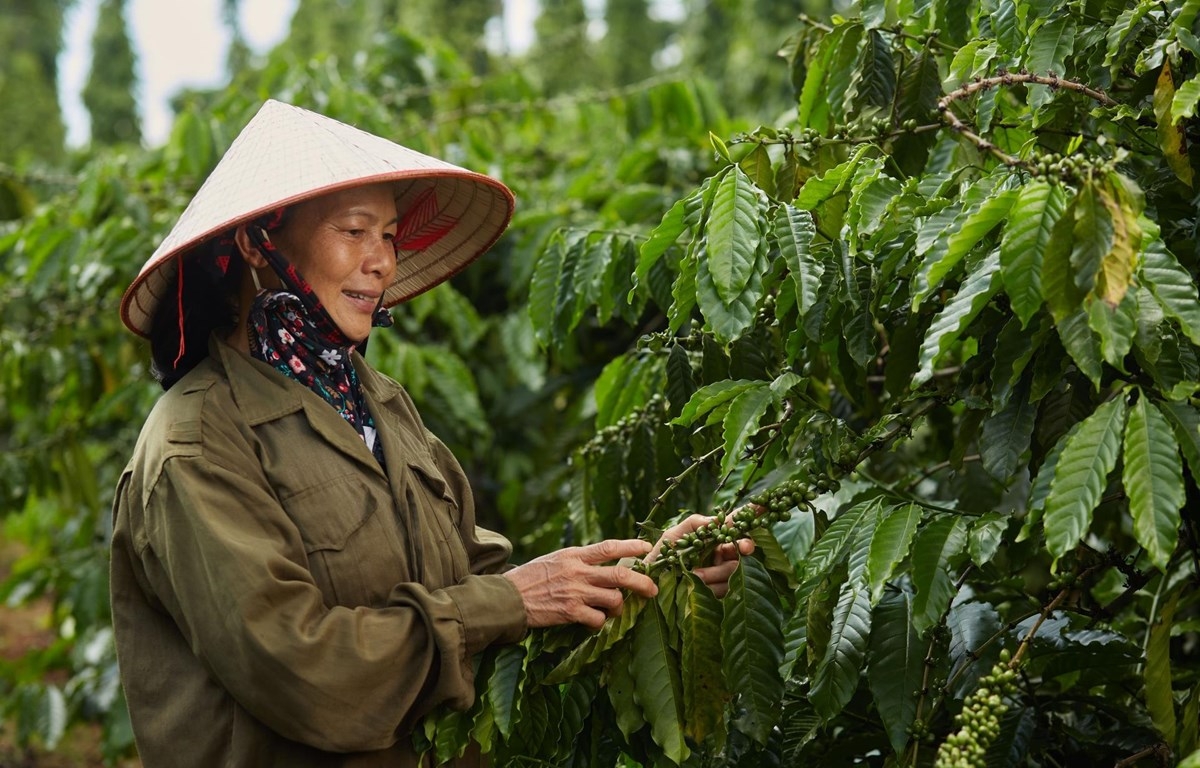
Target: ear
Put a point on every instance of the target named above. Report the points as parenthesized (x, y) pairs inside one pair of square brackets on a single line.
[(246, 247)]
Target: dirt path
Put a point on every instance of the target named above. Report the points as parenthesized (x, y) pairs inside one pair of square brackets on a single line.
[(27, 628)]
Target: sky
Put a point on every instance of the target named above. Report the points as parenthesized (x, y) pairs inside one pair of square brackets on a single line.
[(183, 43)]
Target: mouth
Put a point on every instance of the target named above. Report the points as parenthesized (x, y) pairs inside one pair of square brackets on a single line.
[(365, 300)]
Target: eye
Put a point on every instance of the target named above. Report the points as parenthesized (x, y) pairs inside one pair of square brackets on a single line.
[(389, 236)]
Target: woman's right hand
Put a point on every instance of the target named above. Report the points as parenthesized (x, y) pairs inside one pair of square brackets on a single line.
[(574, 586)]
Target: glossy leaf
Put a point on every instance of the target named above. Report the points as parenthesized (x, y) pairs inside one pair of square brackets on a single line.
[(974, 227), (1160, 700), (890, 544), (1081, 475), (1038, 207), (714, 397), (831, 548), (1006, 436), (742, 422), (794, 232), (1173, 287), (733, 233), (976, 291), (655, 669), (594, 647), (752, 637), (837, 675), (939, 542), (704, 690), (1153, 478), (896, 666), (1185, 425), (504, 687)]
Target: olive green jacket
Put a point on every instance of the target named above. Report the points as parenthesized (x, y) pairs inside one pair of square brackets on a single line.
[(278, 599)]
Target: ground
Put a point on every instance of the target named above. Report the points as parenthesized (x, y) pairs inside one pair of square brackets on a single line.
[(22, 629)]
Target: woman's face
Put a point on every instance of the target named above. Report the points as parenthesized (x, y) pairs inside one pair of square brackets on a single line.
[(342, 245)]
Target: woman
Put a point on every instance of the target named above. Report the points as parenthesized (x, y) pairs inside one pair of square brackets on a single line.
[(297, 577)]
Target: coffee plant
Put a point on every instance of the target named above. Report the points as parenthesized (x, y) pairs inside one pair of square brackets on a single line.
[(930, 339)]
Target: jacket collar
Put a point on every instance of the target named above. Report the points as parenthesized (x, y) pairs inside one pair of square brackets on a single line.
[(263, 394)]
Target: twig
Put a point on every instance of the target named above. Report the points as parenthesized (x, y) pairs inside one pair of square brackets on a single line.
[(1051, 80)]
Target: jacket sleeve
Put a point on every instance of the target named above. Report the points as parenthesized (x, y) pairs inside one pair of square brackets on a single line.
[(229, 565)]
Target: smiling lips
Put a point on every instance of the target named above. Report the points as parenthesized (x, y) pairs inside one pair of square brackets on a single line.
[(365, 300)]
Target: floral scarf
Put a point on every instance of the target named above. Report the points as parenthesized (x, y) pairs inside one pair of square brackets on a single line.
[(290, 330)]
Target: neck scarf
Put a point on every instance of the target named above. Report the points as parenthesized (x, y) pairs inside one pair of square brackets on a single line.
[(290, 330)]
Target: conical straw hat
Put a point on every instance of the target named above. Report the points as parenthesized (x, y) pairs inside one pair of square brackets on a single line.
[(449, 216)]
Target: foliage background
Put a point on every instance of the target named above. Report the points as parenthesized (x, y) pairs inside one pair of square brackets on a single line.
[(751, 248)]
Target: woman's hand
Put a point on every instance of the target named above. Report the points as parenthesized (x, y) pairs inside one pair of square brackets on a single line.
[(724, 560), (573, 586)]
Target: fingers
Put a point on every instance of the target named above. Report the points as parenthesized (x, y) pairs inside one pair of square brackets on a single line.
[(613, 549), (623, 578), (568, 586)]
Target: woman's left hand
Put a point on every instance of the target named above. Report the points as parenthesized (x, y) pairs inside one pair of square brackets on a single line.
[(724, 560)]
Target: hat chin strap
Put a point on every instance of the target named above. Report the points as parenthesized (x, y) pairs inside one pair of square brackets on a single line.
[(254, 276)]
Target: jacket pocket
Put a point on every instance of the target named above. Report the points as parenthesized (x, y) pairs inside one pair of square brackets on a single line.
[(353, 555), (437, 513)]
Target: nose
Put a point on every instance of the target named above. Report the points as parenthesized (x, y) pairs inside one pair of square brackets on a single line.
[(381, 260)]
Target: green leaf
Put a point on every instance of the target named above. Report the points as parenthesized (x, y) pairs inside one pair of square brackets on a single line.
[(1160, 700), (986, 535), (543, 289), (1062, 295), (752, 636), (1183, 104), (1093, 235), (504, 686), (656, 680), (704, 690), (727, 321), (1081, 475), (828, 77), (1174, 288), (742, 420), (830, 549), (1153, 478), (712, 397), (596, 645), (683, 291), (1006, 436), (1185, 424), (1115, 327), (836, 677), (1123, 26), (619, 680), (818, 189), (896, 666), (975, 226), (1049, 50), (1081, 344), (794, 232), (936, 545), (890, 544), (977, 290), (733, 233), (876, 75), (1037, 208)]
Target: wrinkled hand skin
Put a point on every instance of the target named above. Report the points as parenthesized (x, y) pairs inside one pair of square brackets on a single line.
[(725, 556), (574, 586)]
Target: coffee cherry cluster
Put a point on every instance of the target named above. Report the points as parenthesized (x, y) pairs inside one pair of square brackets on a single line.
[(784, 497), (655, 410), (979, 722), (692, 549)]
